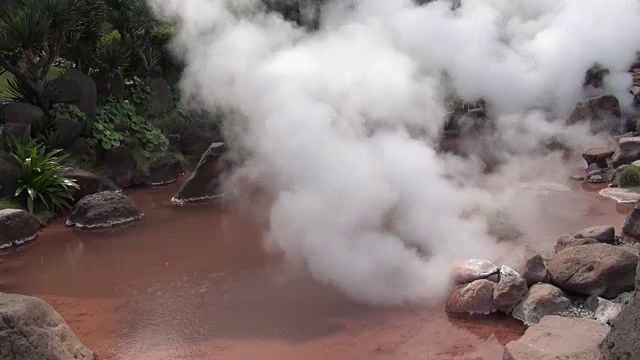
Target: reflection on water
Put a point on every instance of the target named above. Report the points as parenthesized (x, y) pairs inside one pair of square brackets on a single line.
[(195, 283)]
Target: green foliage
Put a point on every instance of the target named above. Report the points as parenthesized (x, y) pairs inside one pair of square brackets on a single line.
[(148, 136), (44, 130), (112, 53), (138, 92), (67, 111), (43, 179), (103, 133), (161, 35), (65, 64), (629, 177)]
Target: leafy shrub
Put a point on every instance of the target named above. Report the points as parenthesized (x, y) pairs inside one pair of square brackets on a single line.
[(43, 181), (138, 92), (62, 63), (67, 111), (629, 177), (123, 114)]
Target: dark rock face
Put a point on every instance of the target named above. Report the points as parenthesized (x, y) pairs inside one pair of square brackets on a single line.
[(534, 270), (89, 183), (472, 299), (204, 182), (622, 341), (631, 224), (542, 300), (77, 88), (508, 293), (164, 169), (17, 227), (110, 86), (628, 151), (81, 147), (602, 112), (122, 167), (559, 338), (10, 173), (568, 241), (194, 142), (19, 116), (598, 155), (30, 329), (161, 98), (604, 234), (104, 209), (68, 131), (595, 269)]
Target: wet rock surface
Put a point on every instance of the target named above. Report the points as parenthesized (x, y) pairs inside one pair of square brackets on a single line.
[(204, 182), (559, 338), (30, 329), (89, 183), (475, 298), (104, 209), (164, 169), (542, 300), (121, 166), (471, 270), (17, 227), (594, 269)]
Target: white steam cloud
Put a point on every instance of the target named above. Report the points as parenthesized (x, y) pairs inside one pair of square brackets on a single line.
[(330, 119)]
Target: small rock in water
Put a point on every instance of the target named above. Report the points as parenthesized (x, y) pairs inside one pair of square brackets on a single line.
[(577, 177), (596, 179), (472, 270), (542, 300), (472, 299)]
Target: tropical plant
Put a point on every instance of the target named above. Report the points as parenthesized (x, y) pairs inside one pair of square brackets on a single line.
[(43, 180), (138, 92), (33, 33)]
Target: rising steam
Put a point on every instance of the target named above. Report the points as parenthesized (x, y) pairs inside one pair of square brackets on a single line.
[(341, 123)]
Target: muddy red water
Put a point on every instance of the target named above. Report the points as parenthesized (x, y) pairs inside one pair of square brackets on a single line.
[(195, 283)]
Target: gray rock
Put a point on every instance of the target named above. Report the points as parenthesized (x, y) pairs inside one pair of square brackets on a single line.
[(121, 167), (30, 329), (164, 169), (472, 270), (83, 150), (104, 209), (604, 234), (631, 225), (542, 300), (597, 155), (594, 269), (622, 341), (509, 291), (567, 241), (205, 181), (10, 173), (74, 87), (22, 113), (596, 179), (607, 311), (601, 112), (17, 227), (472, 299), (628, 151), (161, 98), (68, 131), (559, 338), (89, 183), (534, 270)]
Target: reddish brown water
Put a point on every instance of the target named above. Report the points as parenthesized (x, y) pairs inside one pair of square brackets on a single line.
[(194, 283)]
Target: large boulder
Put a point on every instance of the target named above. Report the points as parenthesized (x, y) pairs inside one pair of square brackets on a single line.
[(472, 270), (559, 338), (631, 225), (121, 166), (74, 87), (567, 241), (622, 341), (509, 291), (68, 131), (472, 299), (89, 183), (17, 227), (10, 173), (628, 151), (598, 155), (30, 329), (533, 270), (542, 300), (602, 112), (595, 269), (204, 183), (160, 98), (164, 169), (104, 209), (19, 116), (603, 233)]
